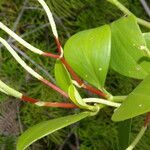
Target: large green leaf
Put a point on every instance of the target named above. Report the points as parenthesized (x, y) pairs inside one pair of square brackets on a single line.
[(128, 49), (88, 53), (137, 103), (62, 76), (147, 39), (42, 129)]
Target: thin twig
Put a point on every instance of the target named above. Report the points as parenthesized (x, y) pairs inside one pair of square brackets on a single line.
[(46, 73), (30, 70), (33, 8), (146, 7), (19, 18), (58, 20), (137, 139), (127, 12), (141, 133), (17, 21), (19, 120), (67, 138), (77, 141), (28, 33)]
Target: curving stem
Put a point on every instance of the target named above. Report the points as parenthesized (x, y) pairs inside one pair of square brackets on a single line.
[(141, 133), (62, 59), (127, 12), (10, 91), (30, 70)]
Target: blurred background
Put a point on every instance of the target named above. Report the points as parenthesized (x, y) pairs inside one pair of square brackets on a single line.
[(27, 19)]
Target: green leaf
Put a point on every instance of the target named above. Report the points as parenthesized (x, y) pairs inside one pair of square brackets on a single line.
[(76, 99), (42, 129), (124, 130), (137, 103), (88, 53), (147, 39), (62, 76), (128, 49)]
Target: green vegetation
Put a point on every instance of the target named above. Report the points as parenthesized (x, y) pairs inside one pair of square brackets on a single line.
[(71, 16)]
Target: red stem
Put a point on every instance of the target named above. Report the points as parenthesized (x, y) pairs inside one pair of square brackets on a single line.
[(147, 119), (55, 88), (80, 82), (73, 74), (49, 104), (28, 99), (50, 55), (95, 91), (58, 45), (60, 105), (75, 77)]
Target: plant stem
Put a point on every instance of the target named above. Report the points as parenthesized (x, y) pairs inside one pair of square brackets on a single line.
[(143, 22), (10, 91), (147, 119), (127, 12), (30, 70), (53, 25), (95, 91), (60, 50), (39, 67), (56, 104), (137, 139), (50, 17), (3, 91), (101, 101), (48, 104), (119, 99), (26, 44), (54, 87), (141, 133), (80, 82), (71, 71), (146, 7)]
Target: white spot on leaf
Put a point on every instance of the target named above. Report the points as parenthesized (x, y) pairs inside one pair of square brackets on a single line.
[(140, 105), (100, 69)]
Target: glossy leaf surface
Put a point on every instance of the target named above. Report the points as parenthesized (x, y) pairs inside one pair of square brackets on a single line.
[(137, 103), (88, 53), (147, 39), (128, 44), (42, 129), (76, 99), (62, 76)]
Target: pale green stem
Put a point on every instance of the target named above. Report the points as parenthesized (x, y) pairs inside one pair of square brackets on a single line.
[(109, 97), (51, 21), (19, 60), (1, 90), (76, 84), (50, 17), (101, 101), (9, 90), (119, 99), (137, 139), (127, 12), (20, 40)]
